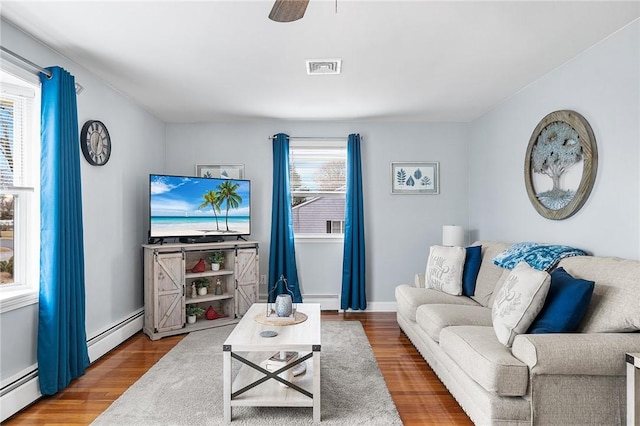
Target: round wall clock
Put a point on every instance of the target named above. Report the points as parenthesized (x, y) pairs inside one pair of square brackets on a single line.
[(95, 142)]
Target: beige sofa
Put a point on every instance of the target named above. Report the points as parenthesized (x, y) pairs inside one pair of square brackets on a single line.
[(543, 379)]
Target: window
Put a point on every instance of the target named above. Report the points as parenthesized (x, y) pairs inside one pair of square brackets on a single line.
[(335, 227), (318, 174), (19, 187)]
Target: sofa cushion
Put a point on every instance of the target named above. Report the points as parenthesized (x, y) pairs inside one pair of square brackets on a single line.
[(519, 301), (472, 263), (614, 305), (433, 318), (566, 304), (409, 298), (444, 269), (489, 275), (588, 354), (477, 351), (539, 256)]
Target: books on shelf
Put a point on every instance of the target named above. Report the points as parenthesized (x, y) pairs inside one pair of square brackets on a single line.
[(282, 358), (279, 360)]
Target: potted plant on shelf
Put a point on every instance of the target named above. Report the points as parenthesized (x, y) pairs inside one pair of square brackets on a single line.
[(202, 284), (216, 259), (193, 311)]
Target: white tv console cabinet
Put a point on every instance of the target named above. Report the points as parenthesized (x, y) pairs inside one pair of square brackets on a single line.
[(168, 278)]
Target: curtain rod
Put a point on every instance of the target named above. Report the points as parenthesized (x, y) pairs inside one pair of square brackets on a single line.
[(319, 138), (36, 67), (26, 61)]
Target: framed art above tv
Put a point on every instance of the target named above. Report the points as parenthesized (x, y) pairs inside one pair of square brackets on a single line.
[(223, 171)]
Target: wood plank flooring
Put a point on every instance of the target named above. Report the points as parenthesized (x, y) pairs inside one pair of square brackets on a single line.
[(421, 399)]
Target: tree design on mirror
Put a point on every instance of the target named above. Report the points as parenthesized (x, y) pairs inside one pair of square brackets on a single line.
[(560, 164)]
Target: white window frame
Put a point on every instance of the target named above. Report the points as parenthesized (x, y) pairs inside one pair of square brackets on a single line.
[(310, 144), (25, 289)]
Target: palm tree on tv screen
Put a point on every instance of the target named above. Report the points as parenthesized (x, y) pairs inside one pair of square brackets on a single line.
[(227, 192), (213, 199)]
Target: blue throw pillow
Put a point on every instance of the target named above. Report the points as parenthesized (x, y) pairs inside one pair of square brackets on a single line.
[(566, 304), (471, 268)]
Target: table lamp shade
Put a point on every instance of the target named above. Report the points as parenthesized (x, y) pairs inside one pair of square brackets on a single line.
[(453, 235)]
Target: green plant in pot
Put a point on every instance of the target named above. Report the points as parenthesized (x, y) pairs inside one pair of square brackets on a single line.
[(193, 311), (202, 284), (216, 259)]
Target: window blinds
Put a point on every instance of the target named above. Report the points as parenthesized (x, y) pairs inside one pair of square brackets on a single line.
[(317, 169), (15, 106)]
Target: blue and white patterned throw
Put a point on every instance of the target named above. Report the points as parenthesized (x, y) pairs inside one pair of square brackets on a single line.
[(539, 256)]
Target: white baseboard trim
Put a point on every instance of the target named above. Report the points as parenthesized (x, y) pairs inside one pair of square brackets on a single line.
[(26, 390), (381, 307)]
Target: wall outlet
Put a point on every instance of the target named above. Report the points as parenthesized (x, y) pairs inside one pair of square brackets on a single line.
[(263, 279)]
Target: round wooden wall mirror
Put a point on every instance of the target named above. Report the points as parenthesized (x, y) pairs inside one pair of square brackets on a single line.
[(561, 164)]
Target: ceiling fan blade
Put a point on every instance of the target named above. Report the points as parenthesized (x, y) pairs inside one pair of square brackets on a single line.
[(288, 10)]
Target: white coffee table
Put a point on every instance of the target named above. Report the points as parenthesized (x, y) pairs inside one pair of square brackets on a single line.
[(255, 386)]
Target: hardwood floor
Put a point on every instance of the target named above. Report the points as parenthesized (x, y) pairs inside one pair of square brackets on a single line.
[(421, 399)]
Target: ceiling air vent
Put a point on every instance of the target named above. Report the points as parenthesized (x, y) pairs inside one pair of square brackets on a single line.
[(324, 66)]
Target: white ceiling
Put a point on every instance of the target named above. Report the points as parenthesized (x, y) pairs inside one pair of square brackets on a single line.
[(207, 61)]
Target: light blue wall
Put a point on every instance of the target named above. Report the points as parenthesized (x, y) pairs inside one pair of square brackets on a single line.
[(399, 228), (115, 207), (602, 84), (482, 178)]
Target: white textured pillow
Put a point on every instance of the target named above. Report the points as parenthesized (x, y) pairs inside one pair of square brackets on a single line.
[(519, 302), (444, 269)]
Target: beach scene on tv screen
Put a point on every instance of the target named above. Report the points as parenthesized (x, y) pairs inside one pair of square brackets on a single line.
[(193, 206)]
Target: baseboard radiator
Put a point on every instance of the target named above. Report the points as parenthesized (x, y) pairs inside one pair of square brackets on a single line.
[(23, 389), (328, 302), (112, 336), (331, 302)]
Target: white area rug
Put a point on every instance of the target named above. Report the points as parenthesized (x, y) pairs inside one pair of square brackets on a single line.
[(185, 386)]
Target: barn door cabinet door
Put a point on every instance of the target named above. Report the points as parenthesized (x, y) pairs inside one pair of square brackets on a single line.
[(168, 274), (246, 273)]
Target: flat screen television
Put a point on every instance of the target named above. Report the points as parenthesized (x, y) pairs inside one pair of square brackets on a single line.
[(198, 209)]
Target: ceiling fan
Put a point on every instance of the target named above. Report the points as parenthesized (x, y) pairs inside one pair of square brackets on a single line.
[(288, 10)]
